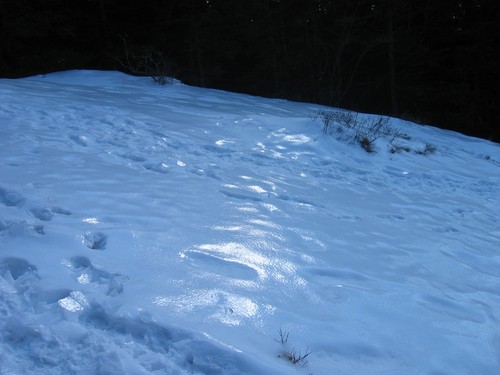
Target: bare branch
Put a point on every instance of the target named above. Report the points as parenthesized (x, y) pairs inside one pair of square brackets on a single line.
[(151, 63), (283, 336)]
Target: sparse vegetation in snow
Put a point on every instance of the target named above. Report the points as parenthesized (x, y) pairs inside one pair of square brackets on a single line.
[(365, 130), (352, 127), (292, 355)]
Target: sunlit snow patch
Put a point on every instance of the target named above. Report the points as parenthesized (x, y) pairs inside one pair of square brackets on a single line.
[(227, 308), (76, 301)]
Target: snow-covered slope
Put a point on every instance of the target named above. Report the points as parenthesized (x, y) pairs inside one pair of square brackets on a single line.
[(177, 230)]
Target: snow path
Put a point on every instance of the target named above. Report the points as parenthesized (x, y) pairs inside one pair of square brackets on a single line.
[(173, 230)]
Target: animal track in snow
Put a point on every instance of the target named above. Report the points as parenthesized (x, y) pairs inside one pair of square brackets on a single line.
[(243, 196), (346, 218), (43, 214), (157, 167), (19, 228), (13, 268), (246, 192), (87, 273), (60, 211), (298, 201), (207, 172), (95, 240), (156, 337), (11, 198), (219, 150), (134, 157), (46, 214), (17, 276), (79, 140)]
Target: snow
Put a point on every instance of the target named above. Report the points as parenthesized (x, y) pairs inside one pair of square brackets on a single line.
[(152, 229)]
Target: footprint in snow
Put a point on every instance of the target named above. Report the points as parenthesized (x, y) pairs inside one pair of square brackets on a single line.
[(60, 211), (46, 214), (95, 240), (242, 196), (346, 218), (17, 276), (218, 150), (299, 201), (19, 228), (11, 198), (87, 273), (156, 167), (134, 157), (79, 140), (13, 268), (155, 337)]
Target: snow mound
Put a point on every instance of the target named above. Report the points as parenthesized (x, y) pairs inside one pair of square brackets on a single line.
[(152, 229)]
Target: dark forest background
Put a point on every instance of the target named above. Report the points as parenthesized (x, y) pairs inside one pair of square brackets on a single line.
[(429, 61)]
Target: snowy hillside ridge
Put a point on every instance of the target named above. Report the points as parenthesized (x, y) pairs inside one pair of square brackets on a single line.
[(150, 229)]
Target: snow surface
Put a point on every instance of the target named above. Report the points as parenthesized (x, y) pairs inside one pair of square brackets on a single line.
[(176, 230)]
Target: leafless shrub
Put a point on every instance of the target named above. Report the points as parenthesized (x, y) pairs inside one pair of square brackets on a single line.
[(427, 150), (366, 144), (350, 127), (296, 357), (397, 148), (370, 130), (336, 121), (283, 336), (293, 356), (150, 62)]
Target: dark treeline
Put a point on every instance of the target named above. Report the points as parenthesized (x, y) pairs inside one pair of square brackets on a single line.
[(424, 60)]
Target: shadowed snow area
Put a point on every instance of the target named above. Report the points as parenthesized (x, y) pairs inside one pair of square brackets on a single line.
[(176, 230)]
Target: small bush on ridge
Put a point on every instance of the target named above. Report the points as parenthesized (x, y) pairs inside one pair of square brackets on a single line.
[(428, 150), (150, 62), (349, 127)]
